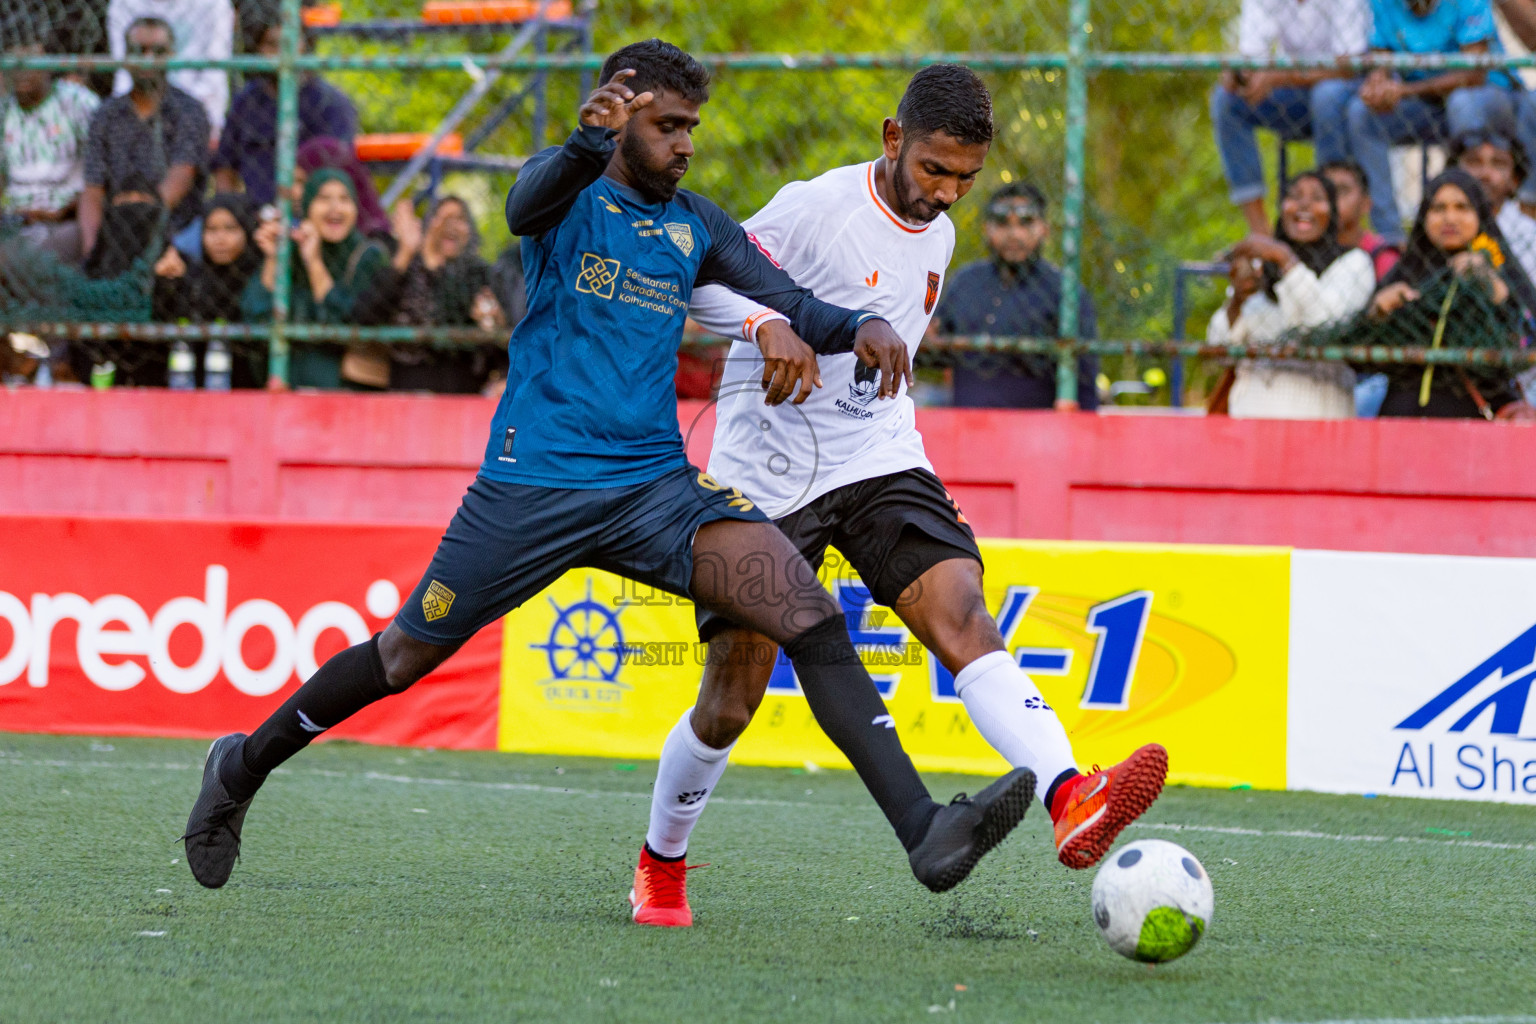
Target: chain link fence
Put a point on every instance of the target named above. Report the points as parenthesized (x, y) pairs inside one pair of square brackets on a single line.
[(166, 235)]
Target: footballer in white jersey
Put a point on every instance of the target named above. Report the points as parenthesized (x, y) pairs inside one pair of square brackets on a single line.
[(845, 467)]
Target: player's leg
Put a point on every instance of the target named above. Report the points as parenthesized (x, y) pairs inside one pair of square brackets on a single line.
[(693, 759), (751, 574), (946, 611), (504, 544)]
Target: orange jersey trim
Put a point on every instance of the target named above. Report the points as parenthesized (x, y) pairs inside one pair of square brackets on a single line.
[(869, 181)]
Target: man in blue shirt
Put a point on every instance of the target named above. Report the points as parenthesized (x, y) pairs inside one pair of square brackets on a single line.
[(247, 153), (1016, 293), (586, 468), (1427, 105)]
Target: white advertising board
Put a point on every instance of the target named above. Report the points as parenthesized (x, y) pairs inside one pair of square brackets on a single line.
[(1411, 675)]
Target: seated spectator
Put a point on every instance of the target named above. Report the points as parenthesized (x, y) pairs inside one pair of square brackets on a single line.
[(1351, 192), (44, 123), (132, 236), (1520, 15), (247, 156), (333, 264), (1499, 164), (208, 290), (1423, 106), (324, 151), (80, 27), (1455, 288), (1297, 104), (436, 278), (1016, 293), (1282, 286), (201, 29), (155, 130)]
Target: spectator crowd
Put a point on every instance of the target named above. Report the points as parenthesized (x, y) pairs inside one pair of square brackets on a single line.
[(154, 199), (152, 194)]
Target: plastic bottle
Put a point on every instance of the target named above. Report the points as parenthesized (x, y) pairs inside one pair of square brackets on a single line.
[(216, 365), (182, 375)]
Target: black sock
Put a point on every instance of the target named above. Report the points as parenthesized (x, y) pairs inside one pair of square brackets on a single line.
[(849, 710), (342, 687), (664, 860), (1050, 794)]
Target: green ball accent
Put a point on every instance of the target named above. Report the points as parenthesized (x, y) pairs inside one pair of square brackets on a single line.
[(1167, 933)]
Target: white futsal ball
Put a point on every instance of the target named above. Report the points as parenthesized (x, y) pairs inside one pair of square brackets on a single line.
[(1152, 900)]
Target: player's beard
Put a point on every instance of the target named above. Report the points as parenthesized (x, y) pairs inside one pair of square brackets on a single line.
[(657, 183), (910, 204)]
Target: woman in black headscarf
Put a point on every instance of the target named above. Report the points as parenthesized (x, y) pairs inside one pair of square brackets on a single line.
[(1284, 287), (1457, 286), (436, 278), (208, 291)]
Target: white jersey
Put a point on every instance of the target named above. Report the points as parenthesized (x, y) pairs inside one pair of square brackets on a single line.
[(835, 236)]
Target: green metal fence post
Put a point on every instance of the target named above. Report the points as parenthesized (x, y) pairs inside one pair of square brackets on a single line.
[(1072, 204), (287, 148)]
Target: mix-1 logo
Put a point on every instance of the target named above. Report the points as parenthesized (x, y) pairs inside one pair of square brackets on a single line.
[(1494, 696)]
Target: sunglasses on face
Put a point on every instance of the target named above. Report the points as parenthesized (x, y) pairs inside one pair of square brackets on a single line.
[(149, 51), (1497, 140), (1024, 213)]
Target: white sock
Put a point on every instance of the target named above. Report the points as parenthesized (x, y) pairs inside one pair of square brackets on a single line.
[(687, 774), (1006, 706)]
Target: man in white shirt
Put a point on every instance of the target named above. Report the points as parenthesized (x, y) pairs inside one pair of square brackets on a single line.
[(844, 465), (1499, 163), (1297, 104), (202, 29)]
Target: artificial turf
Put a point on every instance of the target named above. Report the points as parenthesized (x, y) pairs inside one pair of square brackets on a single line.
[(383, 884)]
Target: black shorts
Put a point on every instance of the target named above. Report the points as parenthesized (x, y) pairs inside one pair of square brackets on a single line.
[(891, 529), (508, 541)]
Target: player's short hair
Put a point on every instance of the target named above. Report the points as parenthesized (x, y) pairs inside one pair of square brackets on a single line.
[(659, 67), (1349, 167), (948, 98)]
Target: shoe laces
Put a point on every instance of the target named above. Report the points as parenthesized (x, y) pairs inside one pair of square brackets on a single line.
[(667, 882), (217, 818)]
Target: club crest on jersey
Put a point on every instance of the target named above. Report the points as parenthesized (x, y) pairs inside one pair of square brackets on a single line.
[(682, 237), (597, 275), (436, 602), (933, 292)]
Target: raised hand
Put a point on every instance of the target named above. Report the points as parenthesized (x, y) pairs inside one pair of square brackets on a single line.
[(170, 264), (308, 238), (612, 105)]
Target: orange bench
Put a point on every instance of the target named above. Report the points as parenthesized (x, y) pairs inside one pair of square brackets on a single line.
[(461, 12), (404, 145)]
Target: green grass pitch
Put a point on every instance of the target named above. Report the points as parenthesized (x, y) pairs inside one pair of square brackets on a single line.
[(381, 884)]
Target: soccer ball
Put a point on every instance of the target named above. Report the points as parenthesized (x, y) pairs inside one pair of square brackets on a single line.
[(1152, 901)]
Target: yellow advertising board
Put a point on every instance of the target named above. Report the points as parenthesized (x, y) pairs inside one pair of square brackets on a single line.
[(1130, 643)]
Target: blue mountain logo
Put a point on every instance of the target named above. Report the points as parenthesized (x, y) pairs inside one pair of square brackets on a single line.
[(1512, 670)]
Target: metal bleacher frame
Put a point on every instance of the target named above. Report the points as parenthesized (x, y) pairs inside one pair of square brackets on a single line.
[(572, 34)]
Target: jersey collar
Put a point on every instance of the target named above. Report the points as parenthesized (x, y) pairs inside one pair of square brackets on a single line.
[(874, 196)]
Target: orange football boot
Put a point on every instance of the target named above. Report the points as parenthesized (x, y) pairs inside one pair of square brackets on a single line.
[(660, 894), (1091, 810)]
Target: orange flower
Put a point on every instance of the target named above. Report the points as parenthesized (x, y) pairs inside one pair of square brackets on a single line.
[(1484, 244)]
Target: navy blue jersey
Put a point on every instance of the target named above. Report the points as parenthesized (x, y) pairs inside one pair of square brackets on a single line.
[(590, 399)]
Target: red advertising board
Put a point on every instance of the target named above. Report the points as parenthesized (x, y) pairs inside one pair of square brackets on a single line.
[(196, 628)]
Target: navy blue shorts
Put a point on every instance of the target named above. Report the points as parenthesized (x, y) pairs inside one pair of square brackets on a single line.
[(508, 542)]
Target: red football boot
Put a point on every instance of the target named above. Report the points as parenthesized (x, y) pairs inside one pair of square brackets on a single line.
[(660, 894), (1091, 810)]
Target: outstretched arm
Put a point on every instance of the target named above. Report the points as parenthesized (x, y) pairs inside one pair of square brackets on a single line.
[(549, 183)]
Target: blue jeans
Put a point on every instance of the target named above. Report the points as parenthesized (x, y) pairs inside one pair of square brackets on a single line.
[(1372, 135), (1319, 112)]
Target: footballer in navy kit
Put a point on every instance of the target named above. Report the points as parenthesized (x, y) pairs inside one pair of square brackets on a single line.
[(585, 467)]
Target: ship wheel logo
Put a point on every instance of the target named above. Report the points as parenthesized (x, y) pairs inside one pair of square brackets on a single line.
[(585, 646)]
